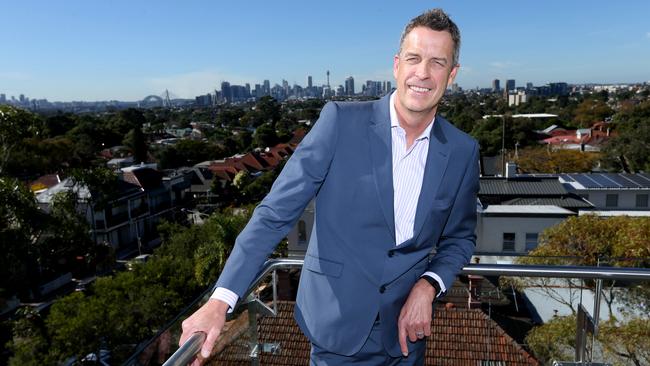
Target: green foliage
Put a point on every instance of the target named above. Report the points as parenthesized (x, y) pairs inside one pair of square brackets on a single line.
[(554, 340), (21, 224), (544, 160), (135, 140), (590, 111), (187, 153), (101, 182), (589, 239), (628, 150), (488, 133), (15, 125), (265, 136), (625, 342), (256, 190), (29, 343), (619, 342)]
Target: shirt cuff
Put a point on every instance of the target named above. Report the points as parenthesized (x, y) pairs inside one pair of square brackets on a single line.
[(227, 296), (443, 289)]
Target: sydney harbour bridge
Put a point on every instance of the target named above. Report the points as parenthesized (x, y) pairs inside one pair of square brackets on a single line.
[(165, 99)]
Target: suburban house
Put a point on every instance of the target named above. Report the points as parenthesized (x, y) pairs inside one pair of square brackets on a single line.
[(142, 196), (583, 139)]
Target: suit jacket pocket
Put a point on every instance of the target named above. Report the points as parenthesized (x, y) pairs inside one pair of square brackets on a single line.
[(323, 266)]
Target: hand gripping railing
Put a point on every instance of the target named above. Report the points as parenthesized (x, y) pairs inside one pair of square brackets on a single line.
[(188, 350), (192, 346)]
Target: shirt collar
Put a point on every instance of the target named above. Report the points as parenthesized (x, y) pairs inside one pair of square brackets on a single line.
[(394, 122)]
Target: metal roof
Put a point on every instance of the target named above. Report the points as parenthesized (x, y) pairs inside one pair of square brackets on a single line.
[(529, 209), (527, 186), (566, 202)]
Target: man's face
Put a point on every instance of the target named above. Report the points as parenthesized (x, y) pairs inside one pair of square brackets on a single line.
[(423, 68)]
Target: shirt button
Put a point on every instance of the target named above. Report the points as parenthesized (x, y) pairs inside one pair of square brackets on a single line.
[(382, 289)]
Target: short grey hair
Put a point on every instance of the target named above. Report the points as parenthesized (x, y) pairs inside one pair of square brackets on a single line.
[(437, 20)]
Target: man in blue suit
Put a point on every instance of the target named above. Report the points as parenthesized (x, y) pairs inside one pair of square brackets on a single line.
[(392, 183)]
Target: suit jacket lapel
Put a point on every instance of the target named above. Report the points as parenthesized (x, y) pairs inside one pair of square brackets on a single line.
[(437, 161), (382, 161)]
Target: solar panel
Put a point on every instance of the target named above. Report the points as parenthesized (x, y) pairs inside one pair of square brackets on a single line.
[(645, 175), (605, 181), (567, 178), (640, 180), (586, 181), (622, 180)]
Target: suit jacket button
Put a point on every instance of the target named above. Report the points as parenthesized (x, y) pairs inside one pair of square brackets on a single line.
[(391, 253), (382, 289)]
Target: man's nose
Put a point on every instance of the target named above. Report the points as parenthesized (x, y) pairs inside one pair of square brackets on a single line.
[(422, 71)]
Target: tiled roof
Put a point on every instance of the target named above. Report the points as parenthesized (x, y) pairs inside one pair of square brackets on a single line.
[(461, 337), (146, 178), (528, 186), (45, 181)]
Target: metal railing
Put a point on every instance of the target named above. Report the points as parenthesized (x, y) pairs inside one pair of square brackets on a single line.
[(192, 346)]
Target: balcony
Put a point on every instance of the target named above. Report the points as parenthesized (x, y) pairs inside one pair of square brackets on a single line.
[(471, 321)]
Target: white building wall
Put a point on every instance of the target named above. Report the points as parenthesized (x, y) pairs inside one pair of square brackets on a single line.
[(490, 229), (626, 198)]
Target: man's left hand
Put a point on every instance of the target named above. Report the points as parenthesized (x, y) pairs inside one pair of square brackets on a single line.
[(415, 318)]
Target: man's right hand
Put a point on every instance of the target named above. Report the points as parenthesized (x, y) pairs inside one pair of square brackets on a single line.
[(209, 319)]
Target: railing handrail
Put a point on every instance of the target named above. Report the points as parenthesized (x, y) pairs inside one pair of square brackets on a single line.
[(480, 269), (187, 351)]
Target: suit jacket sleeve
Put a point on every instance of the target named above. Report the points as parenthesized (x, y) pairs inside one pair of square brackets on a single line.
[(458, 239), (274, 217)]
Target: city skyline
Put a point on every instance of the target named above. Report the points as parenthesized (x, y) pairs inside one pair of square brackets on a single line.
[(126, 51)]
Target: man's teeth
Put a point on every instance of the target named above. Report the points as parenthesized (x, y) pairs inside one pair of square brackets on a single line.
[(418, 89)]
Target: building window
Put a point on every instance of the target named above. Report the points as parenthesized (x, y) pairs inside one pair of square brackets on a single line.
[(531, 241), (492, 363), (302, 232), (508, 242), (642, 200), (611, 200)]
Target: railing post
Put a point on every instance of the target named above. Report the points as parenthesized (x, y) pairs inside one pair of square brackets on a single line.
[(253, 342), (275, 291)]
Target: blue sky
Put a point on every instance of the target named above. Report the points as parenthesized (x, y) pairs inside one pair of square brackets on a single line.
[(126, 50)]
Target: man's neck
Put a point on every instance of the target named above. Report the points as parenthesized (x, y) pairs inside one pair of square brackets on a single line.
[(413, 123)]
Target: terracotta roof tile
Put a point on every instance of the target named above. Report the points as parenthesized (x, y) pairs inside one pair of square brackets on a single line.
[(462, 337)]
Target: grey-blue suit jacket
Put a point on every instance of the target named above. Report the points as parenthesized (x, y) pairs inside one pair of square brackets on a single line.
[(353, 269)]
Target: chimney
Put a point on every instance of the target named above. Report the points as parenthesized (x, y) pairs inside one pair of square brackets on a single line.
[(511, 170)]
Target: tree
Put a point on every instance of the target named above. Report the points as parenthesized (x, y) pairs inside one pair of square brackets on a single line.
[(269, 110), (265, 136), (15, 125), (29, 339), (590, 111), (489, 134), (187, 153), (590, 241), (554, 340), (21, 226), (628, 150), (135, 140), (544, 160)]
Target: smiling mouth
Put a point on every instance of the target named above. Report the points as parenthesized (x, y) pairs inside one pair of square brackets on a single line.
[(419, 89)]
